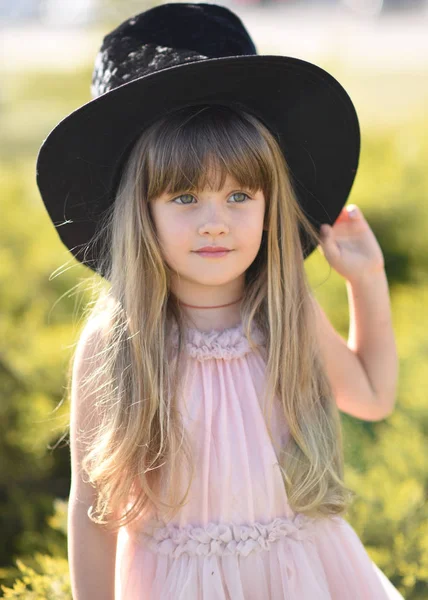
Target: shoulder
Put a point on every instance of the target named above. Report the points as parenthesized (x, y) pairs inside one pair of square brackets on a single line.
[(91, 342), (94, 331)]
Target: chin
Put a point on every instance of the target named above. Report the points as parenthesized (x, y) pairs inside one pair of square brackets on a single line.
[(213, 279)]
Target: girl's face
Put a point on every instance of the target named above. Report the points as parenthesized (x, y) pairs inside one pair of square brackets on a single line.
[(232, 218)]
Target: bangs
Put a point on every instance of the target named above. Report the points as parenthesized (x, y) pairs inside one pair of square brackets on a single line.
[(197, 147)]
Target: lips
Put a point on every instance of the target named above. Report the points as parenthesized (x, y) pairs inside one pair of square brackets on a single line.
[(213, 250)]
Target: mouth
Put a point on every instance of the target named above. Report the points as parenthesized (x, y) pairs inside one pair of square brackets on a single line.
[(213, 253)]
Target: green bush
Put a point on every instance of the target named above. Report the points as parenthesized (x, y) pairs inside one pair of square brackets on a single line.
[(44, 577), (50, 582)]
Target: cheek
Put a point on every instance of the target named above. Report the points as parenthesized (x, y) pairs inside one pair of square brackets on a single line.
[(173, 235), (250, 229), (164, 226)]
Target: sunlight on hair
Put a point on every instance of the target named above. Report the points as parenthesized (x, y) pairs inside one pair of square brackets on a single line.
[(137, 448)]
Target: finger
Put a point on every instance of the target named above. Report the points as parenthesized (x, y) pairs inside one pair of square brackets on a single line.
[(328, 243), (343, 215), (325, 230), (352, 211)]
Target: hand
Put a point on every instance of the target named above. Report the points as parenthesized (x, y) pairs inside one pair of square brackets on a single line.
[(350, 246)]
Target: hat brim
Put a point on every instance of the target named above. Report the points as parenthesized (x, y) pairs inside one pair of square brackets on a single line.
[(314, 119)]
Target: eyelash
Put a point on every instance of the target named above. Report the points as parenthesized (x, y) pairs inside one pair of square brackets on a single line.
[(190, 204)]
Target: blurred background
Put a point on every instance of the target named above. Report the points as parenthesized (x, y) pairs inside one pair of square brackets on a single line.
[(378, 50)]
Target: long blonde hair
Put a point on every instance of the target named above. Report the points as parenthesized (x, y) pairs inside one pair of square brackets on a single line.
[(137, 444)]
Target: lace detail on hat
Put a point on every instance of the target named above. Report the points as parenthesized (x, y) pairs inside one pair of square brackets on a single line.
[(225, 538), (223, 344), (135, 61)]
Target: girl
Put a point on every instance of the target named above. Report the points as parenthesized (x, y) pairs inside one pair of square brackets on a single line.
[(206, 447)]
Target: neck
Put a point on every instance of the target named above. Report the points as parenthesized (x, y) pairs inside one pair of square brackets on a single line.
[(212, 316), (219, 306)]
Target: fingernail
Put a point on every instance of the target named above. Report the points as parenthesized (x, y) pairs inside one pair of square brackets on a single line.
[(352, 212)]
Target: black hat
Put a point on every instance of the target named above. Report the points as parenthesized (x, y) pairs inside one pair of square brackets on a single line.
[(181, 54)]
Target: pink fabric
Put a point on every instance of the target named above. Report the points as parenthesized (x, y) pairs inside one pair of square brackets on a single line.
[(237, 538)]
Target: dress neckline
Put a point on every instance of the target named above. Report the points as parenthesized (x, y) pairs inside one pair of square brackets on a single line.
[(227, 343), (209, 332)]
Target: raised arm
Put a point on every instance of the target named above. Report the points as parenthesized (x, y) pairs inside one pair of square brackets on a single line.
[(362, 372)]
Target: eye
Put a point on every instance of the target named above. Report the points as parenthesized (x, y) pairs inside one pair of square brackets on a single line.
[(240, 194), (191, 196), (183, 196)]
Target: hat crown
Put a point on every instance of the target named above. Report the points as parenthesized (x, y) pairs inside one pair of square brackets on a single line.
[(166, 36)]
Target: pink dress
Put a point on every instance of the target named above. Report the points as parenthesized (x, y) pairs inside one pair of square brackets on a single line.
[(237, 538)]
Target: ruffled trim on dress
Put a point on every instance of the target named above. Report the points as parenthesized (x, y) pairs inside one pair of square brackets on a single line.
[(223, 344), (330, 564), (225, 538)]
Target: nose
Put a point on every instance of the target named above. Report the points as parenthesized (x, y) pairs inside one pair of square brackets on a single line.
[(213, 228), (213, 217), (215, 224)]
